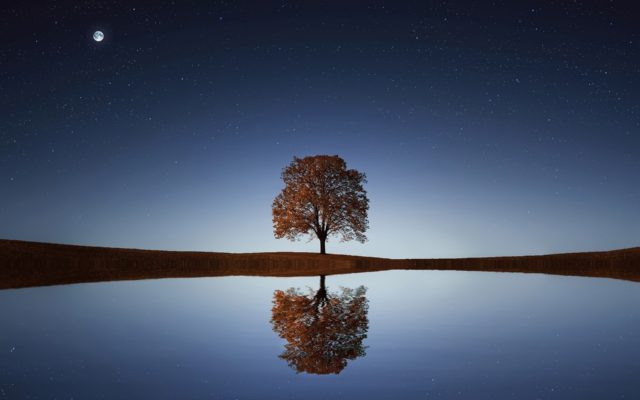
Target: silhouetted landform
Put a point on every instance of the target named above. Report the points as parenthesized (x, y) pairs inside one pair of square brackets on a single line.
[(25, 264)]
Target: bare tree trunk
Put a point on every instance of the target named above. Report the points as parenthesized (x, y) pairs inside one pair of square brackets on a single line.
[(322, 249)]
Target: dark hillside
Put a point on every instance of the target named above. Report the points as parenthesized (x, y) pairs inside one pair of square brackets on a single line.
[(25, 264)]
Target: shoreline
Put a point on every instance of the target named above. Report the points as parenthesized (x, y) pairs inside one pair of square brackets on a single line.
[(29, 264)]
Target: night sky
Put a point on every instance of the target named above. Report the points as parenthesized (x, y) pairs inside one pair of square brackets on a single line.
[(484, 128)]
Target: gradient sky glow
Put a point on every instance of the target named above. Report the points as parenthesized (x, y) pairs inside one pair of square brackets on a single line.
[(502, 129)]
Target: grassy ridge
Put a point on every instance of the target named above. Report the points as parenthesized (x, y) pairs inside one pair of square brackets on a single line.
[(25, 264)]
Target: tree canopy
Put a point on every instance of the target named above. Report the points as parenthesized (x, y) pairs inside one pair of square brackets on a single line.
[(321, 198), (323, 331)]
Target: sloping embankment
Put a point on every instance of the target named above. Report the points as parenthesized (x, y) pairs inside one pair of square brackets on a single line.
[(25, 264)]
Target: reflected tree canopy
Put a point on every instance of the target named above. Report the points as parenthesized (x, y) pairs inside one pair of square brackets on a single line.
[(323, 330)]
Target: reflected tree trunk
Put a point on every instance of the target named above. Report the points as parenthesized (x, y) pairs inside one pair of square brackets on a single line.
[(320, 299), (322, 292)]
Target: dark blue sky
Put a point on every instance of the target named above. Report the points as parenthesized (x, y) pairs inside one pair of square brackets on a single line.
[(484, 129)]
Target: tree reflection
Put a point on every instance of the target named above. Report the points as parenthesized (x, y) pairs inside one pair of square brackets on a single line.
[(322, 330)]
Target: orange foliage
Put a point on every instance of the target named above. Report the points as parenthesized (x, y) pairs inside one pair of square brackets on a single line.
[(321, 198), (322, 331)]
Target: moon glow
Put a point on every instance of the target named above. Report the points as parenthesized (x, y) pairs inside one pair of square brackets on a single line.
[(98, 36)]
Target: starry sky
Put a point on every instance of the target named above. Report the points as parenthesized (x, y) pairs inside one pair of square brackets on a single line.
[(484, 128)]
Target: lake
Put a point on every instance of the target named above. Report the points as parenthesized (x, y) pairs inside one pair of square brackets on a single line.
[(380, 335)]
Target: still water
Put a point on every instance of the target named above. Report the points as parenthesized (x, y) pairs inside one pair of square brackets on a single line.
[(382, 335)]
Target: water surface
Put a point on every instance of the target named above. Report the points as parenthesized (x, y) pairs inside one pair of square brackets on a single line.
[(396, 334)]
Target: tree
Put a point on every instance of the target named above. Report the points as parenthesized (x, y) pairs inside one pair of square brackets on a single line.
[(323, 331), (321, 198)]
